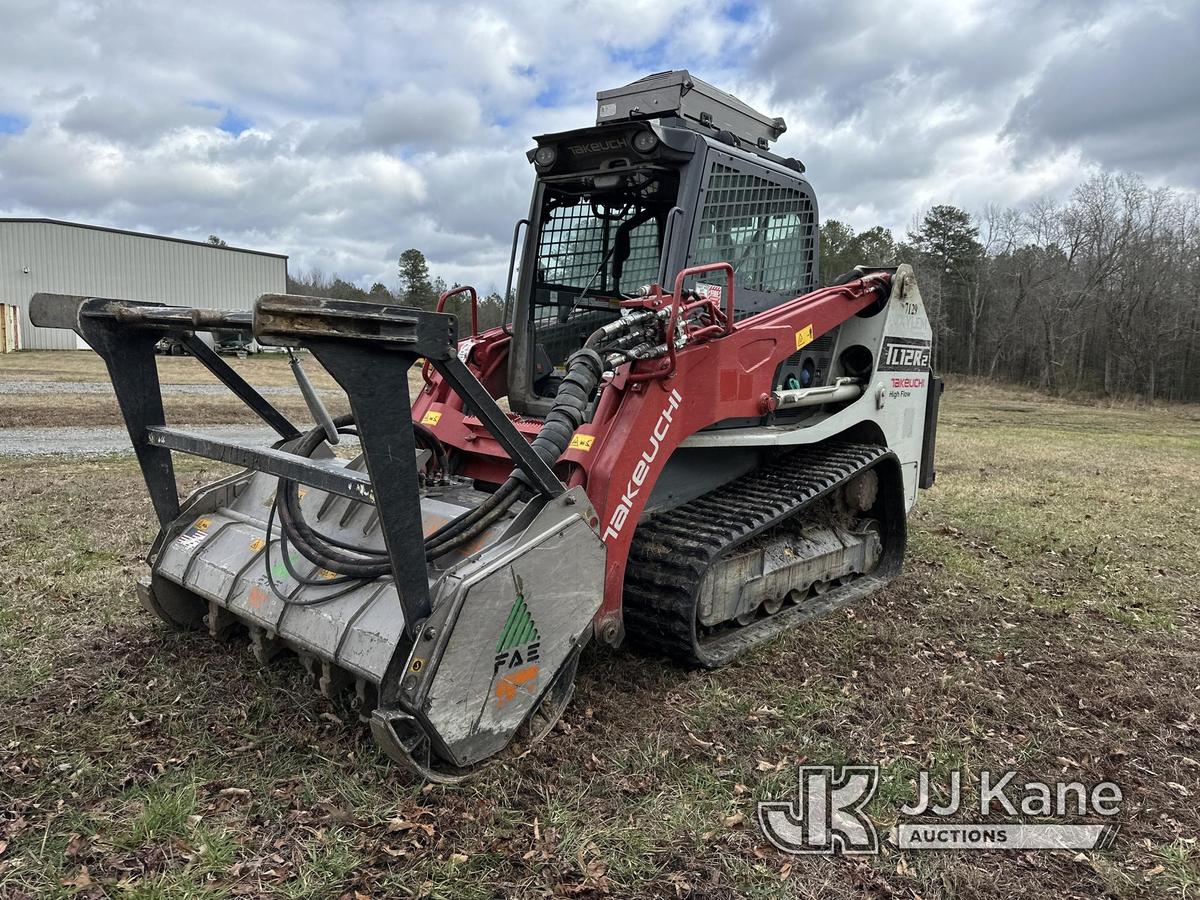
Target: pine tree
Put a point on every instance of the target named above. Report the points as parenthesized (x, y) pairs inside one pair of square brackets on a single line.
[(414, 280)]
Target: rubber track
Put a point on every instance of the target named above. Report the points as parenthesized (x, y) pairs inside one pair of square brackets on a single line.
[(672, 552)]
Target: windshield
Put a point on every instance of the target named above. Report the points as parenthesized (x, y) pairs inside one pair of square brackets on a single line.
[(594, 248), (605, 246)]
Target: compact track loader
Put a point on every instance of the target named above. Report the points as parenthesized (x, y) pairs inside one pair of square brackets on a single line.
[(694, 468)]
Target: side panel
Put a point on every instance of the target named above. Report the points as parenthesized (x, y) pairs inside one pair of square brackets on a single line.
[(520, 615), (898, 338)]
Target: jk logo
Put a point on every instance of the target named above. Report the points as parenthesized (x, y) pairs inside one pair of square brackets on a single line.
[(827, 816)]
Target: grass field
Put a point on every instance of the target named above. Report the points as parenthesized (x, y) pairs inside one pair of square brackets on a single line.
[(267, 370), (1046, 621)]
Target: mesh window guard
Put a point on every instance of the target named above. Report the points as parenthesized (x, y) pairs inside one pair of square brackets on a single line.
[(766, 230), (574, 242)]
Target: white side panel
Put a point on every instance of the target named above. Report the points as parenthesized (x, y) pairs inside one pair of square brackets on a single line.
[(894, 400)]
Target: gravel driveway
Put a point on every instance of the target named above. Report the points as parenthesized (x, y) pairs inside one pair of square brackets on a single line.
[(98, 439), (104, 387)]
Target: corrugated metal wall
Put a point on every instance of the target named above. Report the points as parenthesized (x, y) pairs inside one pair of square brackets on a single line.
[(67, 259)]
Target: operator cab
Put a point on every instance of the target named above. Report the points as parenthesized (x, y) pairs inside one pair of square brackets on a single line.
[(675, 173)]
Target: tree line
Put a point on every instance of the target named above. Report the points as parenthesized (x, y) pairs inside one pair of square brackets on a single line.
[(1098, 294), (416, 288)]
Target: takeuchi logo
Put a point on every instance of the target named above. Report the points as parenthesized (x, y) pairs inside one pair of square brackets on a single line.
[(634, 486)]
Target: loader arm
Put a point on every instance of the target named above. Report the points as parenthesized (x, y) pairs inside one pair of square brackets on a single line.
[(639, 424)]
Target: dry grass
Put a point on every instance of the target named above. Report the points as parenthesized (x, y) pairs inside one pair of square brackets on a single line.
[(1047, 620), (265, 370)]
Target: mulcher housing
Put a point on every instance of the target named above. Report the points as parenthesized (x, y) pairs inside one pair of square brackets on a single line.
[(694, 467)]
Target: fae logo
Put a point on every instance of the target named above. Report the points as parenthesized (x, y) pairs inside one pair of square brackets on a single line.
[(827, 816), (518, 650)]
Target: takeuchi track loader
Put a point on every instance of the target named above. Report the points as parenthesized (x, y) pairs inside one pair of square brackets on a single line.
[(698, 449)]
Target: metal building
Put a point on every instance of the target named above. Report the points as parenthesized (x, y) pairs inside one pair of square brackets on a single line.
[(70, 258)]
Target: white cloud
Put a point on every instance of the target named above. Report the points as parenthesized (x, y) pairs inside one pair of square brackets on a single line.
[(354, 131)]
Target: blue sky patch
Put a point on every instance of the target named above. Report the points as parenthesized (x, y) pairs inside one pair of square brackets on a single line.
[(740, 10), (549, 97), (652, 58), (11, 123), (232, 123)]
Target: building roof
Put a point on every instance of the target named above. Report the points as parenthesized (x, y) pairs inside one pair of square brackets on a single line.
[(142, 234)]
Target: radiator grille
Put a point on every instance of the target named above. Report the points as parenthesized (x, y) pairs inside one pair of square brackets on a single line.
[(823, 344)]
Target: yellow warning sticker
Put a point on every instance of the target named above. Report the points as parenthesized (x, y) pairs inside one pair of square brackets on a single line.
[(257, 544), (804, 336), (431, 418), (582, 442), (203, 524)]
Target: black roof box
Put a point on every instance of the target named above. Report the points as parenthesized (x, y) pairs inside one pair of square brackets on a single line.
[(702, 106)]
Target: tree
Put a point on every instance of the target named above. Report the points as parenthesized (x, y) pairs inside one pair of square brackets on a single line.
[(875, 247), (842, 249), (948, 249), (345, 290), (215, 241), (414, 280), (491, 310), (836, 250), (380, 294)]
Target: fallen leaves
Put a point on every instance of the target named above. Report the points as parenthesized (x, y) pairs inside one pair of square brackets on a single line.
[(80, 879), (402, 825)]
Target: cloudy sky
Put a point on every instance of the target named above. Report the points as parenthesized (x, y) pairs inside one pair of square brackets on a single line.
[(341, 133)]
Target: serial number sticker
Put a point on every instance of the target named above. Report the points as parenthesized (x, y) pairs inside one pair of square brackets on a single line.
[(431, 418), (582, 442), (257, 544), (804, 336)]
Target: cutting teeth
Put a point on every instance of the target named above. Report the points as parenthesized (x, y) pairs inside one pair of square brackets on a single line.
[(312, 668), (264, 647), (334, 680), (365, 699), (219, 620)]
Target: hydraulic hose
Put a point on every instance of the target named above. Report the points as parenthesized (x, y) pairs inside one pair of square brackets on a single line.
[(569, 411), (575, 394)]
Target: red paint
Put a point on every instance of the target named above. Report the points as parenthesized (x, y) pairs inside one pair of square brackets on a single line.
[(648, 409)]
